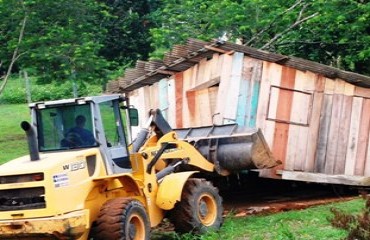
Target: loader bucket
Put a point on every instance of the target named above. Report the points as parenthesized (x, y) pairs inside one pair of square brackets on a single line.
[(231, 148)]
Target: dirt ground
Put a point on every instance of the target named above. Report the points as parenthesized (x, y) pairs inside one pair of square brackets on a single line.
[(251, 195)]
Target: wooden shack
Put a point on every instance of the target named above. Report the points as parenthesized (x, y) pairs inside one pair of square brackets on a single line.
[(314, 117)]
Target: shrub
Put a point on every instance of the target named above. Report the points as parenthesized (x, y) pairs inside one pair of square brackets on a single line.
[(15, 91), (14, 95), (358, 226)]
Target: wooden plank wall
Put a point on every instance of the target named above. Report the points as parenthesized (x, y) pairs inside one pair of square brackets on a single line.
[(314, 124), (311, 123)]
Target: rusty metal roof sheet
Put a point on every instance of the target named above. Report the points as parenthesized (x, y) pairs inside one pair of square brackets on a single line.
[(182, 57)]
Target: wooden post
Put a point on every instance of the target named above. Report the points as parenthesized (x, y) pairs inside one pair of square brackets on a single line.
[(28, 87), (74, 85)]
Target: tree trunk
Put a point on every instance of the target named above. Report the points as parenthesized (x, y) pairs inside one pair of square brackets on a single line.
[(15, 57)]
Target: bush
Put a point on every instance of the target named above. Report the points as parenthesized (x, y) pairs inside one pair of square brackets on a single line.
[(13, 95), (357, 226), (15, 91)]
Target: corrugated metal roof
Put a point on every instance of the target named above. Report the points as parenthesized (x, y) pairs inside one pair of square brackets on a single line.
[(182, 57)]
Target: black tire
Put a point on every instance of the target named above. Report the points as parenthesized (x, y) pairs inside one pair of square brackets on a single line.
[(122, 219), (200, 209)]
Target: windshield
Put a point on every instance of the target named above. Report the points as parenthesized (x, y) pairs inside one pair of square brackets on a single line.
[(65, 127)]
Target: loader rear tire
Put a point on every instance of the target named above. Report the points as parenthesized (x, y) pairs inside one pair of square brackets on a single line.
[(122, 219), (200, 208)]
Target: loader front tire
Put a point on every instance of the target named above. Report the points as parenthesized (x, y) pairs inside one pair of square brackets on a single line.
[(122, 219), (200, 208)]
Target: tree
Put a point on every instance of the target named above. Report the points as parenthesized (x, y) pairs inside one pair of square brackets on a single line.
[(338, 36), (62, 38), (84, 40), (331, 32), (16, 55), (127, 38)]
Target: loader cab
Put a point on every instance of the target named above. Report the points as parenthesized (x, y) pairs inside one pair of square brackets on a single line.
[(91, 122)]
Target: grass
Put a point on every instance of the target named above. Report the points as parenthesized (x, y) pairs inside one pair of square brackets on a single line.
[(308, 224), (12, 138)]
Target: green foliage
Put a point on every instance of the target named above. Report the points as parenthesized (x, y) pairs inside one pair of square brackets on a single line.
[(16, 91), (358, 226), (334, 32), (83, 40), (127, 38), (338, 36), (61, 39)]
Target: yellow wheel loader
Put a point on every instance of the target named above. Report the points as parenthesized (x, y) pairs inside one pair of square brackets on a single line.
[(84, 180)]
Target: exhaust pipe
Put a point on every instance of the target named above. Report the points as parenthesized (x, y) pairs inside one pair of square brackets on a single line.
[(32, 140)]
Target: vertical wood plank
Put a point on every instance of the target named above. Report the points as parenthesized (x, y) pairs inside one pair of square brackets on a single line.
[(244, 91), (154, 96), (343, 134), (225, 63), (143, 103), (171, 117), (179, 99), (354, 129), (193, 76), (273, 103), (335, 124), (146, 101), (363, 138), (191, 95), (204, 108), (207, 71), (367, 164), (279, 147), (324, 127), (187, 78), (255, 90), (308, 85), (163, 97), (271, 75), (233, 90), (292, 147), (215, 66), (298, 134), (199, 75), (313, 134), (293, 138), (333, 134), (193, 109), (196, 73), (325, 117), (213, 92)]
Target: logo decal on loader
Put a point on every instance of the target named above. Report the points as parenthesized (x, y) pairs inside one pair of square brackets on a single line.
[(74, 166)]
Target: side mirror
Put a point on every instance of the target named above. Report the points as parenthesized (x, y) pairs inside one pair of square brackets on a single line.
[(134, 117)]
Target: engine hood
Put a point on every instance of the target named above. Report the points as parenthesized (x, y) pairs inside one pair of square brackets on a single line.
[(48, 161)]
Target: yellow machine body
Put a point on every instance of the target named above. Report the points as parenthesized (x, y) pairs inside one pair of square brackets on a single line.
[(75, 186)]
